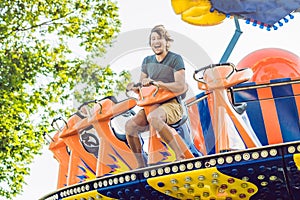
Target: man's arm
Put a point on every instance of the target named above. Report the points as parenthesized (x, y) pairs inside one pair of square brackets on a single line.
[(130, 86), (178, 85), (143, 76)]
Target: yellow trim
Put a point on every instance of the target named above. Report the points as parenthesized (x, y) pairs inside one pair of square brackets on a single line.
[(204, 184), (297, 160)]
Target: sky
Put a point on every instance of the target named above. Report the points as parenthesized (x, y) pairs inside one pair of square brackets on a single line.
[(144, 14)]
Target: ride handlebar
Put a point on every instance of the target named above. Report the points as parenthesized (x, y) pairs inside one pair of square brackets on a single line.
[(140, 85), (209, 67), (96, 101), (54, 123)]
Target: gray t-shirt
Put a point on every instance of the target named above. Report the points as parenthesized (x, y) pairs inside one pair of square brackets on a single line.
[(164, 70)]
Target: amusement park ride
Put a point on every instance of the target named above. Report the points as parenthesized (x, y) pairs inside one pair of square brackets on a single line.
[(256, 102)]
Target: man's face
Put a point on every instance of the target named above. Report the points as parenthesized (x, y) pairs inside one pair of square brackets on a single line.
[(158, 43)]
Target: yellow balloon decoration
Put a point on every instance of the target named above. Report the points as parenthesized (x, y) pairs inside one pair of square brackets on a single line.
[(180, 6), (197, 12)]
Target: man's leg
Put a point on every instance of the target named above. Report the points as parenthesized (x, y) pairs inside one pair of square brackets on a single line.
[(157, 119), (133, 127)]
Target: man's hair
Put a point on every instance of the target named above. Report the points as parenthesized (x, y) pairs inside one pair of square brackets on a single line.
[(162, 32)]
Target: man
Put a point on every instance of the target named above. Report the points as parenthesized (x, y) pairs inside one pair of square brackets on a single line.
[(166, 69)]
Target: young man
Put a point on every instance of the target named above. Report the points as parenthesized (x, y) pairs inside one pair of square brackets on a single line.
[(167, 71)]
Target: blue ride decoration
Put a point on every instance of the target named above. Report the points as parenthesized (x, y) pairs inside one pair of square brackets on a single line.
[(265, 13)]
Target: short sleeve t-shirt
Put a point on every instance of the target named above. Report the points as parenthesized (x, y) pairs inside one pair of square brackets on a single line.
[(164, 70)]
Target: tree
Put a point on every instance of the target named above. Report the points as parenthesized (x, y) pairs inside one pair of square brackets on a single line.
[(38, 70)]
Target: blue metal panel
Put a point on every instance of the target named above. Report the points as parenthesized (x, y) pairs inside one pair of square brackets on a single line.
[(206, 124), (265, 172), (245, 95), (254, 112), (287, 112), (256, 119), (292, 172)]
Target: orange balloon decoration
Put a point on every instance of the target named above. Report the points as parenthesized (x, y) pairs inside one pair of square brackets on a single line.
[(271, 63)]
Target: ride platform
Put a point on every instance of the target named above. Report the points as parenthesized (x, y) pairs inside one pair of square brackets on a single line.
[(269, 172)]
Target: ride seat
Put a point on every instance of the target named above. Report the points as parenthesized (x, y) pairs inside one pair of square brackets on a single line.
[(182, 127), (184, 115)]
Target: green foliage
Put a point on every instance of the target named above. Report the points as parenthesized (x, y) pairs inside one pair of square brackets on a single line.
[(103, 80), (38, 70)]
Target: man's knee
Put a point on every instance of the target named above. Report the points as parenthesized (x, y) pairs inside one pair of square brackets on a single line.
[(130, 127), (155, 121)]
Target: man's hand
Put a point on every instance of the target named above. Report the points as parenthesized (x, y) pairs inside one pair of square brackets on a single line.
[(147, 82), (131, 86)]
